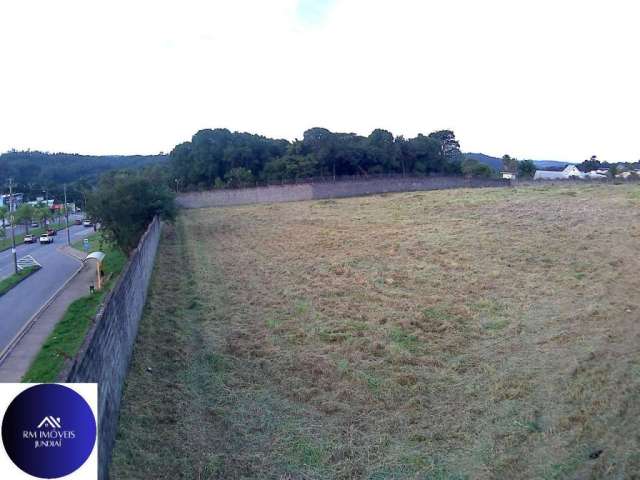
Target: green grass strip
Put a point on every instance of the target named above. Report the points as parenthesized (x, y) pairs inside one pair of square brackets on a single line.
[(65, 340), (10, 282)]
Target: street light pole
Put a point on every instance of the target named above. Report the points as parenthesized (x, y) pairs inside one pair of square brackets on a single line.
[(66, 214), (13, 227), (46, 205)]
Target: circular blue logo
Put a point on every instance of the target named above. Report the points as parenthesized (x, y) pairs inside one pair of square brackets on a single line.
[(49, 431)]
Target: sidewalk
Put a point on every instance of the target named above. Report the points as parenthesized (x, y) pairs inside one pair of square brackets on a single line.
[(23, 353)]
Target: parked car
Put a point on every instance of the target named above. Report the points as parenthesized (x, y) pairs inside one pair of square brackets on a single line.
[(78, 221), (87, 223), (29, 238), (44, 238), (51, 232), (35, 224)]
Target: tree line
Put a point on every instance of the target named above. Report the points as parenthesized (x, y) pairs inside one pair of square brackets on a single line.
[(593, 163), (26, 214), (221, 158), (36, 173)]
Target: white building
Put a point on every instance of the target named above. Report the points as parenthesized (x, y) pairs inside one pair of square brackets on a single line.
[(40, 201), (17, 201), (570, 171), (595, 174)]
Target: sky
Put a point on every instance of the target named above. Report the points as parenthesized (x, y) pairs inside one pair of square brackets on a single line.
[(543, 79)]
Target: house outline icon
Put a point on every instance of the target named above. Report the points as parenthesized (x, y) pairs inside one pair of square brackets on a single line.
[(50, 422)]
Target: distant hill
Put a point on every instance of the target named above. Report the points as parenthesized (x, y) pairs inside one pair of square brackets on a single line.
[(550, 164), (52, 169), (496, 163)]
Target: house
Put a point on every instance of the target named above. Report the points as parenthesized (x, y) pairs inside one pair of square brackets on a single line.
[(570, 171), (595, 174), (508, 175), (40, 201)]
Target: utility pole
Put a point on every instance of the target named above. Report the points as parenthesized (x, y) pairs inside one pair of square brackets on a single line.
[(66, 214), (13, 227), (46, 205)]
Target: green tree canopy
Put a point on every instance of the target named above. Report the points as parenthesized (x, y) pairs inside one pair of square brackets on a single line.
[(526, 169), (124, 203), (25, 214), (509, 164), (217, 157)]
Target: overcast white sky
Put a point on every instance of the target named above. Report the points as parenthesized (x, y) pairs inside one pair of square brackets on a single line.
[(543, 79)]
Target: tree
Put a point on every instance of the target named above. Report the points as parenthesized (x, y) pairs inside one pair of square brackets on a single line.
[(321, 143), (213, 153), (473, 168), (42, 214), (291, 167), (426, 153), (400, 153), (449, 146), (239, 177), (25, 214), (592, 164), (124, 203), (4, 211), (50, 170), (381, 152), (212, 157), (526, 169), (509, 164)]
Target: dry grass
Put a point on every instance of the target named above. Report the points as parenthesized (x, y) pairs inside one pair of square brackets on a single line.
[(454, 334)]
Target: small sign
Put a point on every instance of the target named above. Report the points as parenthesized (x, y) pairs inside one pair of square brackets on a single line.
[(85, 244)]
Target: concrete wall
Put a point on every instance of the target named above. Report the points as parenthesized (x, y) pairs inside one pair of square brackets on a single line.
[(106, 352), (316, 191)]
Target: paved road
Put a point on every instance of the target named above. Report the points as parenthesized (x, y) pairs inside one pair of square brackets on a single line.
[(37, 251), (20, 229), (23, 301)]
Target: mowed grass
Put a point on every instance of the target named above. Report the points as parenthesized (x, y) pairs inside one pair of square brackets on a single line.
[(436, 335)]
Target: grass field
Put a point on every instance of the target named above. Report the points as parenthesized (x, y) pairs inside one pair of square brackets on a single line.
[(454, 334)]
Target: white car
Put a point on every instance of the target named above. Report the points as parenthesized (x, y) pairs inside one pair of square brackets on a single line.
[(86, 223), (44, 238)]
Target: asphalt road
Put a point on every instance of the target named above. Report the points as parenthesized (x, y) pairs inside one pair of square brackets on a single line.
[(23, 301), (20, 229)]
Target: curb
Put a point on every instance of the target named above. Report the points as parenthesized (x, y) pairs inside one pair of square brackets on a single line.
[(4, 354)]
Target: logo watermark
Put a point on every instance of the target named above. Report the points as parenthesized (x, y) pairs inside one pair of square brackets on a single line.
[(49, 430)]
